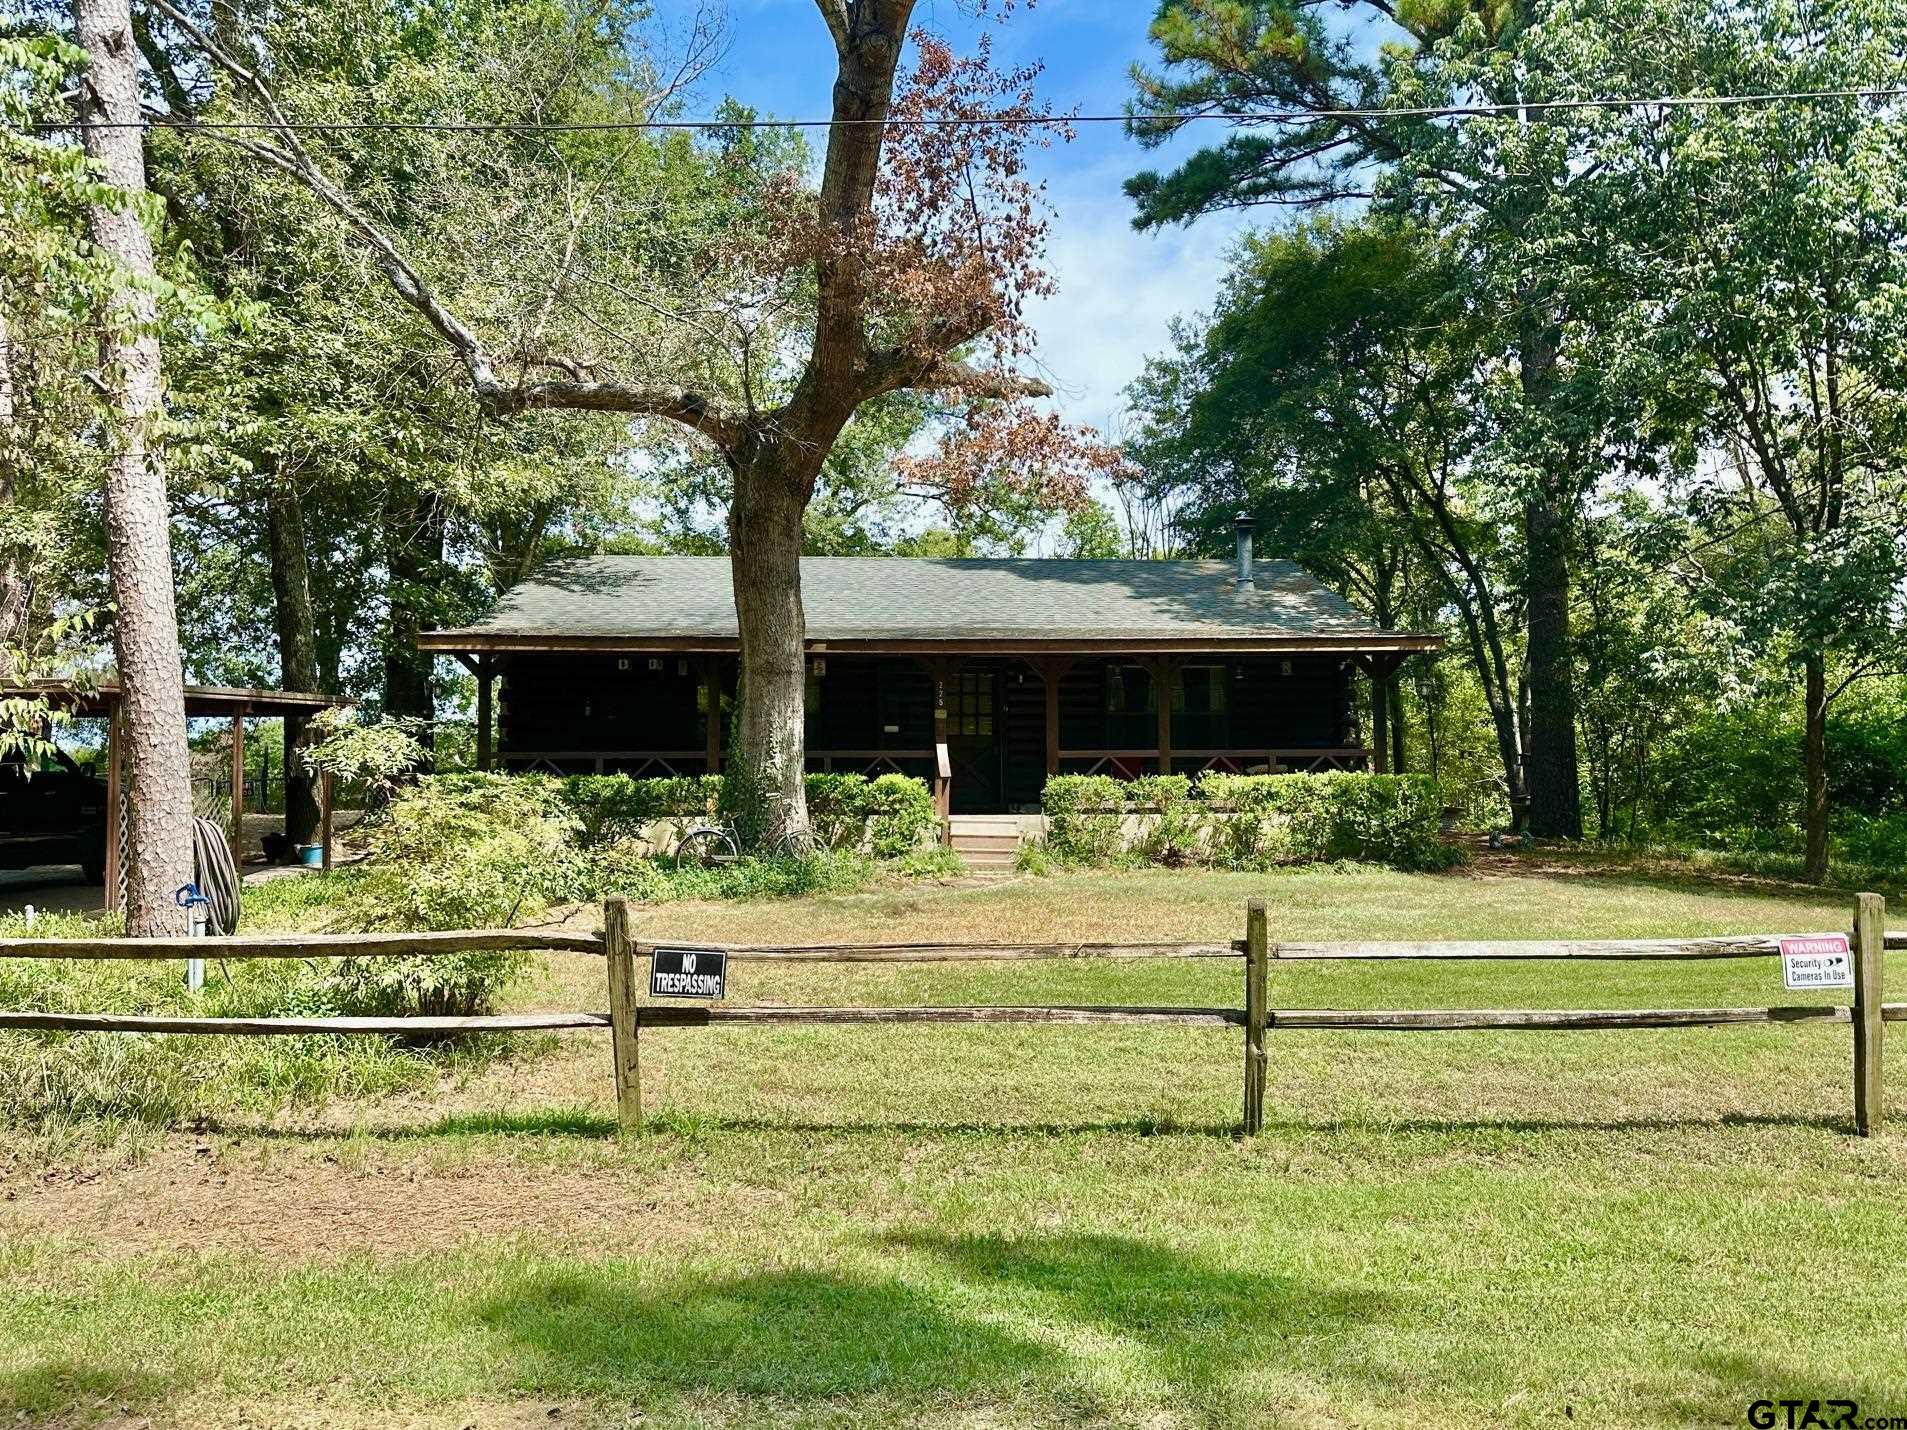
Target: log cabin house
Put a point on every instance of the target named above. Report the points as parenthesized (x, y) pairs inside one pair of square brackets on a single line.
[(981, 676)]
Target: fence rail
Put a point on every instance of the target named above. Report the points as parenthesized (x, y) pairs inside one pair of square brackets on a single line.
[(1748, 945), (326, 945), (627, 1017), (407, 1026), (944, 952)]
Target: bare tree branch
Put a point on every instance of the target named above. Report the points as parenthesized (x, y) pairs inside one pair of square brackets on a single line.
[(289, 156), (971, 381)]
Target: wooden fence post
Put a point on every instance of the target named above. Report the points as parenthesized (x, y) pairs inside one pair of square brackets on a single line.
[(1257, 957), (624, 1019), (1870, 942)]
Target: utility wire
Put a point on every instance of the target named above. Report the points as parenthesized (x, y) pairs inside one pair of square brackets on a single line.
[(982, 121)]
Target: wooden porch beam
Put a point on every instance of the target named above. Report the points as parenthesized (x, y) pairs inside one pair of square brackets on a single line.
[(955, 649), (484, 668), (712, 684), (238, 786)]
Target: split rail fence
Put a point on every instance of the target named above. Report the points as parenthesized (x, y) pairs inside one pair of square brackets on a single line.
[(628, 1017)]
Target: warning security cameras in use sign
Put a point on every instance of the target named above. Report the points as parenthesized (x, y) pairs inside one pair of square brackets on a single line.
[(1819, 961)]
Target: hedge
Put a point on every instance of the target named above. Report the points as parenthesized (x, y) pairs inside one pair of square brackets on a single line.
[(1247, 821), (896, 811)]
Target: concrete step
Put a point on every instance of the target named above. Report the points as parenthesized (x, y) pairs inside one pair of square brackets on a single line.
[(990, 860), (963, 842)]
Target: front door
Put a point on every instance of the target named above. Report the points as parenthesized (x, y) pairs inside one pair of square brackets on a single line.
[(973, 741)]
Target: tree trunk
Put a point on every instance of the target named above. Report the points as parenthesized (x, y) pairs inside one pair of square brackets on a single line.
[(13, 576), (765, 536), (1814, 767), (1549, 733), (414, 554), (1555, 792), (137, 521), (1394, 692), (297, 643)]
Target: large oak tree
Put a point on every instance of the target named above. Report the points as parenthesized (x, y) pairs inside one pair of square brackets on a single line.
[(907, 267)]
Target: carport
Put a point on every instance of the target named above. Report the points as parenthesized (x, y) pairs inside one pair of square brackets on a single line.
[(102, 700)]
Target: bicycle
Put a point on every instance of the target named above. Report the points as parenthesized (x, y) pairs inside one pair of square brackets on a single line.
[(716, 843)]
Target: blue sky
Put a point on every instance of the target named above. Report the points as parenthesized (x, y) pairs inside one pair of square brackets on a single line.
[(1118, 289)]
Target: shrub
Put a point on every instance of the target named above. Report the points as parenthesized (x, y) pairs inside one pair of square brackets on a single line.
[(900, 815), (889, 815), (1176, 831), (1248, 821), (1036, 858), (448, 985), (1388, 819), (375, 757), (930, 861), (1273, 819), (451, 852), (1085, 818), (467, 851), (612, 808), (623, 869)]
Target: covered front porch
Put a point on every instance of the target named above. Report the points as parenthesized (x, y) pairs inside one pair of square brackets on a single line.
[(985, 728)]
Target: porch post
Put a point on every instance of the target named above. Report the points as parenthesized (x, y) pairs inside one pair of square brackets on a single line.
[(712, 684), (115, 818), (938, 669), (1165, 675), (1052, 669), (943, 768), (238, 785), (486, 741)]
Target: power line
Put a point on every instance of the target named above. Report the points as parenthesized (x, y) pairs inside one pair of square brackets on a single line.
[(982, 121)]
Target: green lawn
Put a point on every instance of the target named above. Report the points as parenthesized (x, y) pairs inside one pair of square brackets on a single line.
[(1030, 1226)]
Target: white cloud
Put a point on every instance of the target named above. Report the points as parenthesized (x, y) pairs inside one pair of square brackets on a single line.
[(1118, 289)]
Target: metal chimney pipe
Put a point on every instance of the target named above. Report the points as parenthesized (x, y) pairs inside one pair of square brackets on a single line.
[(1242, 524)]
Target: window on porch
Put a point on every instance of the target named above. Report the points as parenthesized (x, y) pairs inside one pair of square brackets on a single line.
[(1201, 705)]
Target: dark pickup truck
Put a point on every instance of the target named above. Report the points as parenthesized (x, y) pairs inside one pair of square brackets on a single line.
[(55, 814)]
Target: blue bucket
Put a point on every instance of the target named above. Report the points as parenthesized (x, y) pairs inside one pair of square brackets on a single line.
[(311, 855)]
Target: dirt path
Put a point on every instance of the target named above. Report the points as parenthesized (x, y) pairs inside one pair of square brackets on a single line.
[(296, 1198)]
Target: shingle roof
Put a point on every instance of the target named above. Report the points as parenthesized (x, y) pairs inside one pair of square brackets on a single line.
[(600, 599)]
